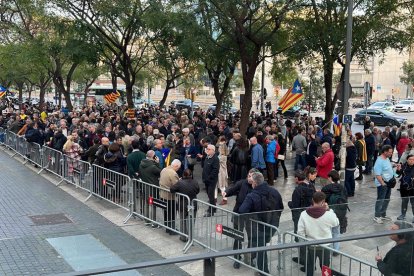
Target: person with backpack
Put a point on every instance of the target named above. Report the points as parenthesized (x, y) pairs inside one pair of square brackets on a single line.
[(263, 199), (337, 201), (301, 198), (240, 189)]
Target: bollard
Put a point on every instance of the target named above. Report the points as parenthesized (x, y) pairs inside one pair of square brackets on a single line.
[(209, 267)]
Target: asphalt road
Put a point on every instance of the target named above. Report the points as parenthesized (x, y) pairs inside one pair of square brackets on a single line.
[(356, 127)]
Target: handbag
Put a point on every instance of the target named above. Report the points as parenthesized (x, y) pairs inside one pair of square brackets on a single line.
[(191, 161), (391, 183), (281, 157)]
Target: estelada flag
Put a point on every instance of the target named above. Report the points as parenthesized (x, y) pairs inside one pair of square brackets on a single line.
[(292, 96), (111, 98), (3, 91), (336, 126)]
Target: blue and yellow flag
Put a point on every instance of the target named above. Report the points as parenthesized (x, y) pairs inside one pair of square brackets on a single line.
[(3, 91), (292, 96), (336, 126)]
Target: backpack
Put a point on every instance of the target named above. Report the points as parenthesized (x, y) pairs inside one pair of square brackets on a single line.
[(338, 203), (269, 204)]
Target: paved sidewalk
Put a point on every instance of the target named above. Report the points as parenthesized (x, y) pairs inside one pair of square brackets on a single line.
[(31, 194), (26, 231)]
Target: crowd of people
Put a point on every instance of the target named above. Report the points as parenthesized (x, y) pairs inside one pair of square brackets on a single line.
[(163, 147)]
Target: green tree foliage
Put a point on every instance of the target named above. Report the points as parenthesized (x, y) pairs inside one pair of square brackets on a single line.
[(119, 27), (408, 73), (173, 47), (320, 28), (249, 26)]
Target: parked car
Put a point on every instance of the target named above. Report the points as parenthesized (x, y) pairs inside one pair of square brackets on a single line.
[(181, 104), (224, 111), (140, 103), (382, 105), (379, 117), (292, 111), (404, 106)]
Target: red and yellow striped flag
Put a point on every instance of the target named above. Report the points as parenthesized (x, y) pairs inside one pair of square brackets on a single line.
[(292, 96), (111, 98)]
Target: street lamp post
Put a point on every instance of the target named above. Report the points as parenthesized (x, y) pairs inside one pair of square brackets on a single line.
[(263, 76), (346, 87)]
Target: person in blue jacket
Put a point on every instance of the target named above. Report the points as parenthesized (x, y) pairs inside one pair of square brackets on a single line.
[(270, 159), (256, 155)]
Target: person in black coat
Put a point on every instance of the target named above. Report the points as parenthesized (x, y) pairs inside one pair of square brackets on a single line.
[(311, 151), (301, 198), (282, 152), (253, 204), (58, 141), (210, 176), (350, 167), (367, 122), (240, 160), (370, 145), (187, 186), (33, 135), (240, 189)]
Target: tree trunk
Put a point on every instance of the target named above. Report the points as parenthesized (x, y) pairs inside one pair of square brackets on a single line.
[(225, 89), (20, 89), (128, 91), (247, 101), (165, 95), (42, 97), (328, 78)]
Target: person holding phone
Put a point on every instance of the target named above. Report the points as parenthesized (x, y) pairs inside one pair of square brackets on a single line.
[(398, 261)]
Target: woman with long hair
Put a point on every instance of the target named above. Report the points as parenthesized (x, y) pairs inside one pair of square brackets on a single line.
[(223, 174)]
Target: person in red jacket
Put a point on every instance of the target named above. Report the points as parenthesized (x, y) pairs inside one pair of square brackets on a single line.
[(324, 163), (402, 144)]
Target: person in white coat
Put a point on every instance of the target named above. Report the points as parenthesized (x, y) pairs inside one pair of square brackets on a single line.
[(316, 223)]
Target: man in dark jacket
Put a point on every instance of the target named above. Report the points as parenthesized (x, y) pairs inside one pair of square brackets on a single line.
[(210, 177), (301, 198), (134, 159), (350, 167), (187, 186), (33, 135), (90, 154), (102, 150), (254, 203), (370, 145), (149, 172), (398, 261), (240, 189), (337, 201)]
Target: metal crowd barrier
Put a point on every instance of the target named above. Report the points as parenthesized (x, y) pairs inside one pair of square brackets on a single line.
[(35, 153), (342, 264), (78, 173), (11, 140), (2, 136), (52, 162), (113, 187), (161, 208), (22, 147), (227, 230)]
